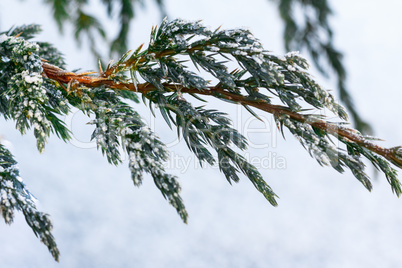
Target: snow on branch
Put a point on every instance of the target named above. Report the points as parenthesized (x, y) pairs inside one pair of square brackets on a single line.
[(35, 89)]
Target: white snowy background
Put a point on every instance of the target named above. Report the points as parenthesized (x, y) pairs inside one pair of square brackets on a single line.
[(324, 219)]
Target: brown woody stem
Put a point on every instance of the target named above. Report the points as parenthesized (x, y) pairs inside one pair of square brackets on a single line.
[(64, 77)]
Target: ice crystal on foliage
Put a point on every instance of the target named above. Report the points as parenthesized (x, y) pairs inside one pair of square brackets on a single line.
[(33, 78), (3, 38)]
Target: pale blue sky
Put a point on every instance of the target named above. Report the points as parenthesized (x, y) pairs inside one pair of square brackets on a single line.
[(324, 219)]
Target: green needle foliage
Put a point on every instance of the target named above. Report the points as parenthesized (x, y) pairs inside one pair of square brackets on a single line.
[(15, 196), (306, 26), (35, 91)]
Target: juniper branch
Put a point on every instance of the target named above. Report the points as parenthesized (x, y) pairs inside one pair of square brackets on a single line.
[(285, 76), (33, 91), (349, 134), (15, 196)]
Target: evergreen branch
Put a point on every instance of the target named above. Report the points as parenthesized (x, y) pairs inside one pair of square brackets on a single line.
[(30, 99), (33, 92), (336, 130), (15, 196), (201, 127), (117, 123), (285, 78), (313, 33)]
